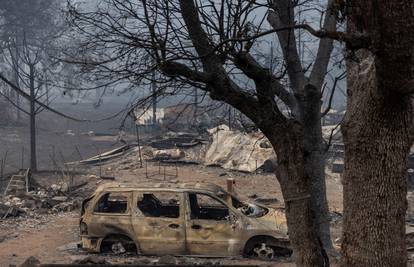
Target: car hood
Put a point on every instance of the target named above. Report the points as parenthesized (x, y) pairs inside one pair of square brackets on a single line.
[(277, 218)]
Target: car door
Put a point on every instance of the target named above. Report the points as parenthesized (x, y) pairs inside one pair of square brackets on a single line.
[(111, 214), (158, 222), (212, 228)]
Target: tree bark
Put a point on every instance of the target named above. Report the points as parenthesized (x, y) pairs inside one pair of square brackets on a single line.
[(33, 159), (314, 156), (378, 134), (296, 189)]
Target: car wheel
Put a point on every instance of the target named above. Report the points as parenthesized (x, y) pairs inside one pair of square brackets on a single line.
[(118, 245), (263, 251), (118, 248)]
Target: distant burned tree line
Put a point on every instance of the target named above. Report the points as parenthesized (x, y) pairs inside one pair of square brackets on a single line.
[(27, 35), (31, 33), (217, 47)]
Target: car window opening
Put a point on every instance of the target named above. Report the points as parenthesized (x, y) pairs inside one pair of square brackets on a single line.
[(204, 207), (112, 203), (248, 209), (165, 205)]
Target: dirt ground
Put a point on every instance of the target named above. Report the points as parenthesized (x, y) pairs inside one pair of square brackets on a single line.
[(52, 238)]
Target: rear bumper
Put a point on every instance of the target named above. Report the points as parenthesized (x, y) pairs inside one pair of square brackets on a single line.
[(91, 244)]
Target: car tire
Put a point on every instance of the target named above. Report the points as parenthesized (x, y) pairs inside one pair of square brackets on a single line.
[(263, 251), (265, 248), (118, 245)]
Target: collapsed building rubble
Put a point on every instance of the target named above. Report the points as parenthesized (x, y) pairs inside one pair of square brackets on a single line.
[(49, 200), (60, 196), (238, 151), (230, 149)]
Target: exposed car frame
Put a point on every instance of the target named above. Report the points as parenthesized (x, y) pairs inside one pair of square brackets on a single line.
[(235, 227)]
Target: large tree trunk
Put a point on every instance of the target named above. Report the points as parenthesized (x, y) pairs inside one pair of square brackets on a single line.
[(378, 133), (296, 189), (33, 159), (377, 137)]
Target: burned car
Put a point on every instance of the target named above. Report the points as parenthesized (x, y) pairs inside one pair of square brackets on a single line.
[(180, 219)]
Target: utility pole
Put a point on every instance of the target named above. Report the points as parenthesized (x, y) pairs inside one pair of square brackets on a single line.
[(138, 143)]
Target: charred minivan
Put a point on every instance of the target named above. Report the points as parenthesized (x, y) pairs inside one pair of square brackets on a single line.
[(180, 219)]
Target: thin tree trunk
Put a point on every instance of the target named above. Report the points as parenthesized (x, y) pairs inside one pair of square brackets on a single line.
[(16, 79), (17, 96), (33, 159)]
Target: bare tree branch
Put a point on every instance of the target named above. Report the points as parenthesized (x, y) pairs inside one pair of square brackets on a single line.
[(323, 56), (27, 96), (282, 16)]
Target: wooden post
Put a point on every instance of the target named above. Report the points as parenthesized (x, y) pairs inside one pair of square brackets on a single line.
[(256, 168), (230, 189), (1, 169), (80, 155), (27, 180), (164, 172), (139, 145), (3, 163), (146, 169), (100, 166), (22, 157)]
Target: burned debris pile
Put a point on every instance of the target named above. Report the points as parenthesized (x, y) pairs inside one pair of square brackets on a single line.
[(58, 197), (238, 151), (230, 149), (50, 200)]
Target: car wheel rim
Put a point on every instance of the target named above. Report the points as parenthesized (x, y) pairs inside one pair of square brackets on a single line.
[(263, 252), (118, 248)]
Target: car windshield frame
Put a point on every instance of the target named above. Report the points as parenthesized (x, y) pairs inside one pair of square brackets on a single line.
[(239, 204)]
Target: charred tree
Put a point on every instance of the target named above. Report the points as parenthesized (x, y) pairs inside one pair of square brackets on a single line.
[(14, 52), (33, 157), (200, 48), (378, 132), (29, 38)]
